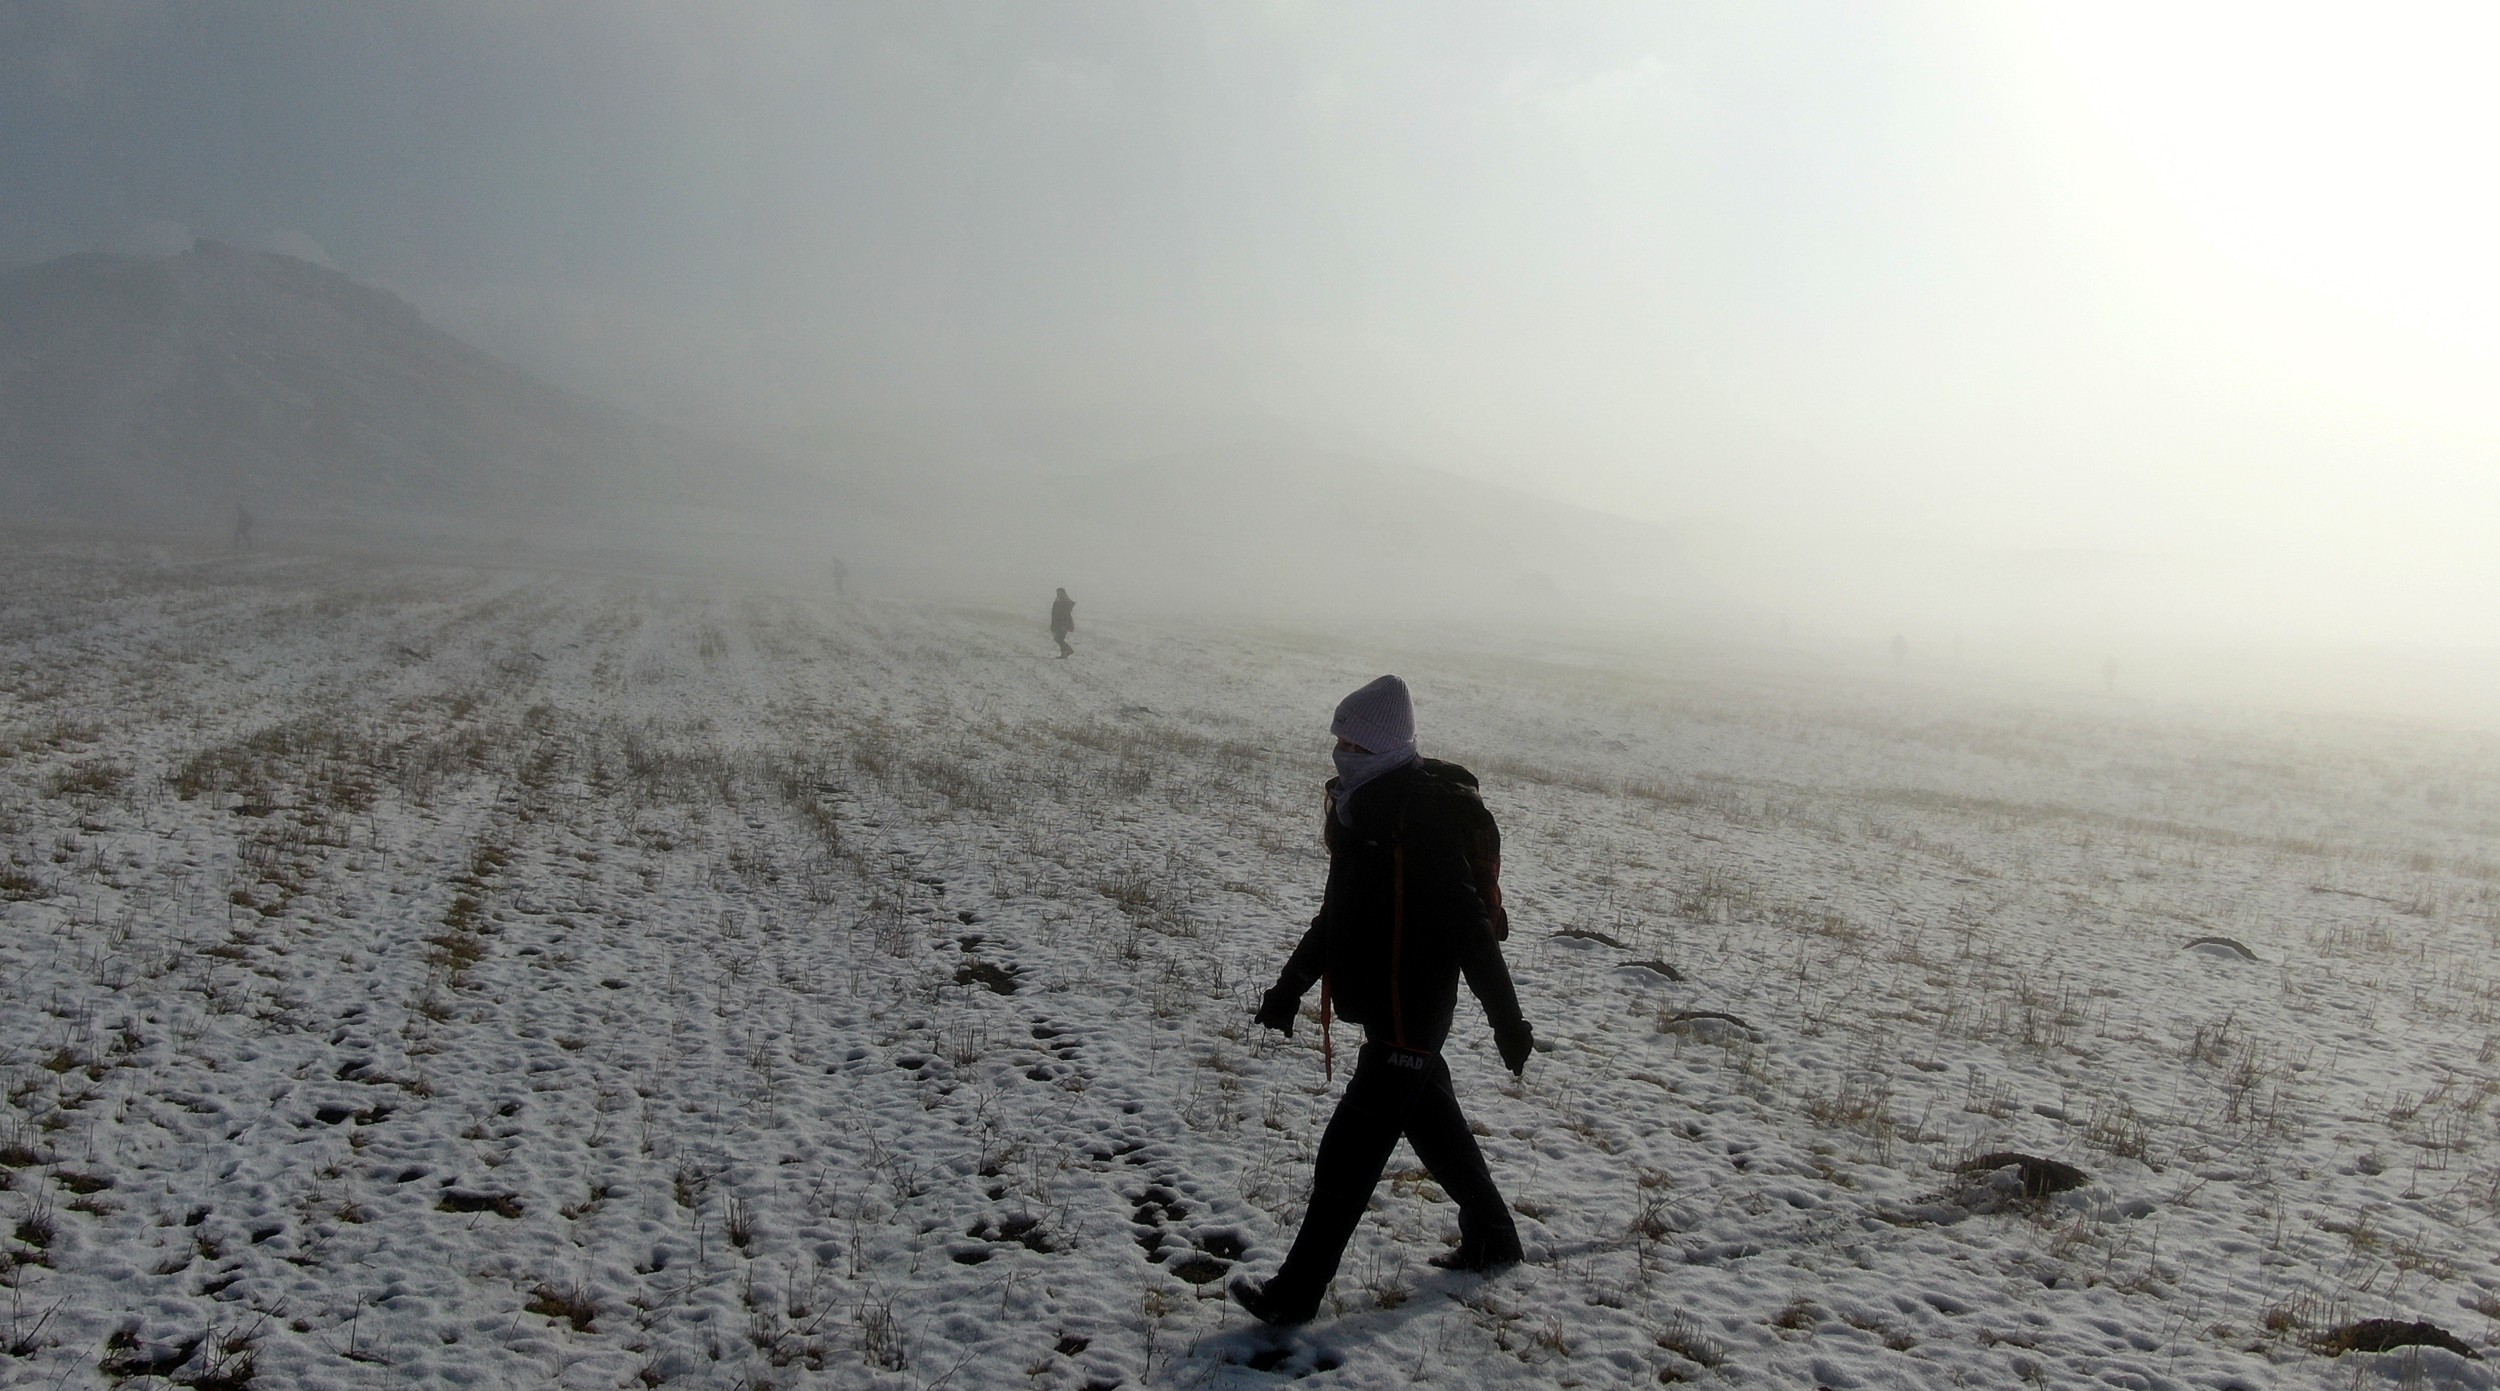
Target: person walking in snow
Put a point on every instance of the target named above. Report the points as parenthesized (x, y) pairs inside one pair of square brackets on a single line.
[(1063, 622), (1413, 903)]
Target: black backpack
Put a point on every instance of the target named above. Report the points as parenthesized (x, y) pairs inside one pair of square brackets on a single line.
[(1372, 958), (1484, 837)]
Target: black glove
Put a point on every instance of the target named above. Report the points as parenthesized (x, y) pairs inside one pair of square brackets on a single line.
[(1277, 1010), (1516, 1040)]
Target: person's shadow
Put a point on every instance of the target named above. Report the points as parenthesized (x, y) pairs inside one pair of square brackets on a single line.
[(1249, 1353)]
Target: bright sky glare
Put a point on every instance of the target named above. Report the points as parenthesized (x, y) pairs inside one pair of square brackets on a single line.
[(2347, 150)]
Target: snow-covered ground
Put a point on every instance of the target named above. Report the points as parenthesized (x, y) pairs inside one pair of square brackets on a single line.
[(429, 977)]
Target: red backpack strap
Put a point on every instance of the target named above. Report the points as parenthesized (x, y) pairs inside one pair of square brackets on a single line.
[(1327, 1041), (1397, 947)]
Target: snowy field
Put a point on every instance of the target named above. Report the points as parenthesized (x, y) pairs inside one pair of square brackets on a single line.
[(422, 977)]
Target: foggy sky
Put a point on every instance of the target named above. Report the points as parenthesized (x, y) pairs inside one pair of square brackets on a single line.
[(2202, 296)]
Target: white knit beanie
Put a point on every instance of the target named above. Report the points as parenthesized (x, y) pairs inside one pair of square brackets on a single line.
[(1380, 717)]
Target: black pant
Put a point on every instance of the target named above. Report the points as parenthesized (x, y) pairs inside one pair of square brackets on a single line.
[(1393, 1092)]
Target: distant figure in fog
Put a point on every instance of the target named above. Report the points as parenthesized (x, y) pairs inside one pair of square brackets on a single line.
[(242, 528), (841, 577), (1063, 622), (1900, 649), (1413, 904)]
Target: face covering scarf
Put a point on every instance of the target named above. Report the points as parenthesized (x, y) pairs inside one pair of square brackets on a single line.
[(1355, 769)]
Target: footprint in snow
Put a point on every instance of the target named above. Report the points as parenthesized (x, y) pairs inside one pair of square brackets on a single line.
[(1022, 1229), (1052, 1035), (1063, 1047), (1288, 1353), (1201, 1259), (989, 975)]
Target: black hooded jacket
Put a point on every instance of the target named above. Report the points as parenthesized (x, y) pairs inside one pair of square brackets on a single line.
[(1404, 917)]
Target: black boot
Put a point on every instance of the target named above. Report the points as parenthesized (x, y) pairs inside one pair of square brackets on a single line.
[(1269, 1305), (1482, 1245), (1466, 1256)]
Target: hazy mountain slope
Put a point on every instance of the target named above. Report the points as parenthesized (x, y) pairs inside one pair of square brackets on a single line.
[(140, 390), (168, 391)]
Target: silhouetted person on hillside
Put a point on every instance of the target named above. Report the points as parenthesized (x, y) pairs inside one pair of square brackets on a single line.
[(242, 528), (1414, 902), (1063, 622), (841, 577)]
